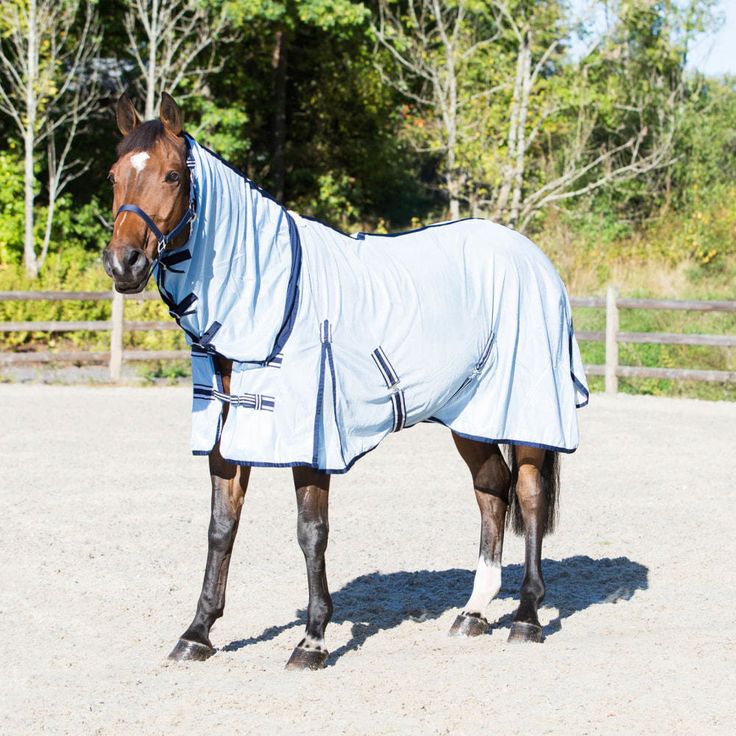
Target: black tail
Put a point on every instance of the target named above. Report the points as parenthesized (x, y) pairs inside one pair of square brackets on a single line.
[(551, 482)]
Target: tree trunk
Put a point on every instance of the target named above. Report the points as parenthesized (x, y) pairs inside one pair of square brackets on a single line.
[(278, 161), (521, 144), (454, 208), (451, 181), (507, 175), (29, 248), (150, 111), (452, 187)]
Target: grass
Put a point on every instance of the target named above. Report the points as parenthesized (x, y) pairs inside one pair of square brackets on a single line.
[(664, 356), (167, 372)]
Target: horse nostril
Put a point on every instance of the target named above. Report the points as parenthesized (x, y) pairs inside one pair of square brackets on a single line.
[(107, 263), (132, 258)]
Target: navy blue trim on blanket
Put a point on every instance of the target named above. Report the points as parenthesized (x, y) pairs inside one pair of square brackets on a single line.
[(258, 402), (327, 225), (331, 364), (182, 309), (174, 258), (580, 387), (241, 174), (349, 465), (325, 361), (399, 406), (292, 290), (295, 464), (575, 380), (488, 440), (324, 335), (384, 366), (363, 235), (208, 334)]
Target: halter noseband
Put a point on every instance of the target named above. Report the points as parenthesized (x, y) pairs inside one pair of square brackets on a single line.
[(189, 216)]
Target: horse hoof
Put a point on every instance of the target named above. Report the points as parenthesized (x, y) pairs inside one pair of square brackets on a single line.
[(522, 631), (191, 651), (307, 659), (469, 626)]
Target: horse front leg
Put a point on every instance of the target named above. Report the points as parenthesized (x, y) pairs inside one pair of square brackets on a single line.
[(491, 480), (229, 483), (312, 495), (532, 497)]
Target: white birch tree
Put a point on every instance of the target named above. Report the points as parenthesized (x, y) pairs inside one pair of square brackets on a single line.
[(431, 46), (48, 87), (484, 75), (585, 164), (172, 43)]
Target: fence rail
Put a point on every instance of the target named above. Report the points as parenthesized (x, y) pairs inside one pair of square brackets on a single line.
[(611, 336)]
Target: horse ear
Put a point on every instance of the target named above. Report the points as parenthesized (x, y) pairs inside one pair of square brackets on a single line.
[(170, 114), (127, 117)]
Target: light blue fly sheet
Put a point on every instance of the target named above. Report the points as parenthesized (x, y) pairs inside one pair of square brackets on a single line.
[(339, 340)]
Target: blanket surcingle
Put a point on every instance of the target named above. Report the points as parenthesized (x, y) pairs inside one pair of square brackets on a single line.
[(339, 340)]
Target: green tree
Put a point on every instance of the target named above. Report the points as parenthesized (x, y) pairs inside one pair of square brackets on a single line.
[(282, 18), (48, 89)]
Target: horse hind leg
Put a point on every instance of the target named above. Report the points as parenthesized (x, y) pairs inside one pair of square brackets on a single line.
[(312, 493), (491, 481), (535, 490)]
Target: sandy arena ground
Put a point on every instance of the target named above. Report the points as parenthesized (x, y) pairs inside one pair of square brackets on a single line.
[(103, 534)]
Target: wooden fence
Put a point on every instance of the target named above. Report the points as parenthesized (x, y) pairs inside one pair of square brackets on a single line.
[(117, 326), (612, 336)]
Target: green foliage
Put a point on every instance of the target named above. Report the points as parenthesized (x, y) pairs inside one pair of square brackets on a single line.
[(11, 207), (169, 372), (78, 234), (326, 15), (334, 195), (220, 128)]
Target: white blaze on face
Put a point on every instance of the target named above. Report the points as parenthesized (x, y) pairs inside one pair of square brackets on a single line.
[(120, 222), (139, 161), (486, 585)]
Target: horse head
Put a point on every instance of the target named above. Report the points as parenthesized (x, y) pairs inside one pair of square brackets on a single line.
[(151, 186)]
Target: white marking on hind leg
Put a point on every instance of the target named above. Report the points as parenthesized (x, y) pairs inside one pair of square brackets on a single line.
[(486, 585)]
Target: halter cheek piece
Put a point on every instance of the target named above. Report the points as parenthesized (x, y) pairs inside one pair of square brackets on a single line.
[(162, 239)]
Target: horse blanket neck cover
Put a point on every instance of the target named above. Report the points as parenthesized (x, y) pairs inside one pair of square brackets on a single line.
[(339, 340)]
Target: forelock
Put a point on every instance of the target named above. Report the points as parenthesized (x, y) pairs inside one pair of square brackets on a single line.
[(142, 138)]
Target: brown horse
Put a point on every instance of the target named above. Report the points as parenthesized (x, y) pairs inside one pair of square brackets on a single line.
[(151, 185)]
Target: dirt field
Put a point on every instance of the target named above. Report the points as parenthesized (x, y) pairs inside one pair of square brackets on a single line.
[(102, 549)]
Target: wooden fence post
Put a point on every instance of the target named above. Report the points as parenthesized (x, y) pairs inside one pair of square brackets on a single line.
[(116, 336), (611, 340)]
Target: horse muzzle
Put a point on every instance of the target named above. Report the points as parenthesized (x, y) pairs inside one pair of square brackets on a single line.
[(127, 266)]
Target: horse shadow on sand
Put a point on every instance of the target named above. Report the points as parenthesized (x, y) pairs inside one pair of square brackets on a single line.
[(379, 601)]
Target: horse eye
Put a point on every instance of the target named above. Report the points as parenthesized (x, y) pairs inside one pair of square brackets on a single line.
[(111, 179), (172, 176)]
